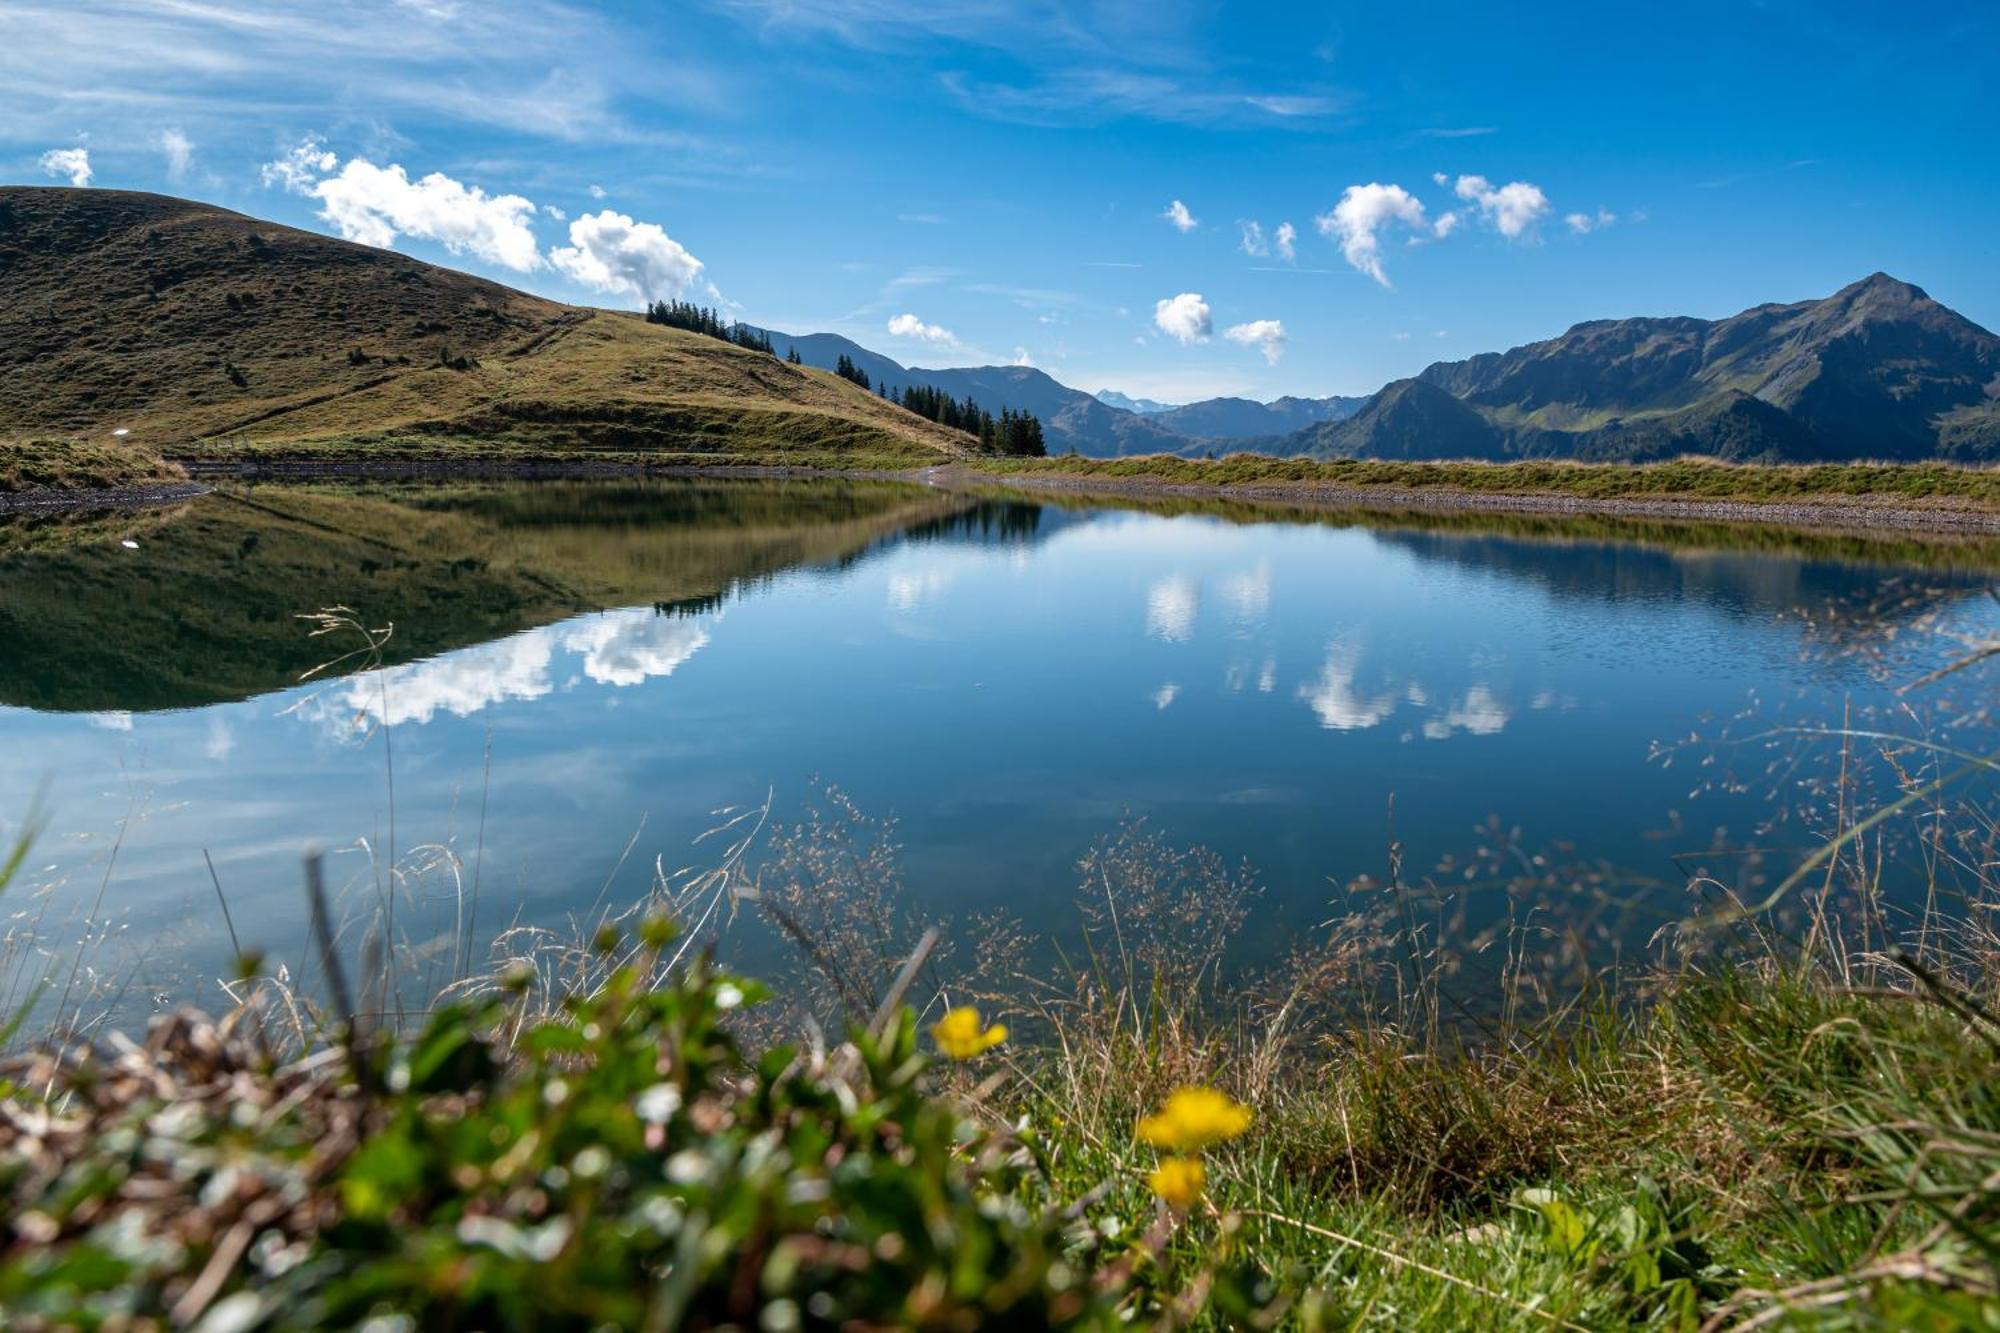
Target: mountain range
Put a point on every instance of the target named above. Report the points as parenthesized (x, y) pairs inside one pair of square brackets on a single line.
[(1877, 370), (201, 324), (1100, 425)]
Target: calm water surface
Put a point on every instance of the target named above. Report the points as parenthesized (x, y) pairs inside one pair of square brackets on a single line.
[(606, 664)]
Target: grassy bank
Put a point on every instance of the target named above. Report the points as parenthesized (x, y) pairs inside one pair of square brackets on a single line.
[(1784, 1139), (32, 466), (1901, 483)]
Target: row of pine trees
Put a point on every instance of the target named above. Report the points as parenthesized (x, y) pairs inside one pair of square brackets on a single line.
[(706, 320), (1009, 433)]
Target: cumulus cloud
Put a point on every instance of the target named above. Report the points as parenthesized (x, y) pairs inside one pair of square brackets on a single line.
[(1446, 224), (1021, 357), (909, 326), (1254, 243), (1511, 209), (1184, 318), (1335, 700), (1266, 335), (374, 205), (615, 648), (1582, 223), (1177, 214), (555, 212), (179, 152), (71, 162), (609, 252), (1285, 241), (1363, 213)]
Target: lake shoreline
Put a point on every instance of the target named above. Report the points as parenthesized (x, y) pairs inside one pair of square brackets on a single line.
[(1860, 513)]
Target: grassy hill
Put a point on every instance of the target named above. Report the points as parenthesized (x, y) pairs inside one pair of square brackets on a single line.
[(207, 333)]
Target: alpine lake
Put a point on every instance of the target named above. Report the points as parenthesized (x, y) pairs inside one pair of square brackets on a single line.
[(525, 703)]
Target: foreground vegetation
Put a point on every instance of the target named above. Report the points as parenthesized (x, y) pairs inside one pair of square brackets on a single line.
[(1692, 479), (1778, 1140)]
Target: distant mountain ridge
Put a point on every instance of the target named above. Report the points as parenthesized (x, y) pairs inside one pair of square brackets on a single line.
[(1877, 370), (1072, 419), (1143, 406)]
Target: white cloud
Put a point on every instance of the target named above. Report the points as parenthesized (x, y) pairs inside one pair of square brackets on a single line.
[(1478, 713), (1338, 705), (1021, 357), (1512, 209), (1266, 335), (1182, 220), (616, 648), (555, 212), (909, 326), (179, 151), (1184, 317), (71, 162), (609, 252), (301, 166), (1582, 223), (115, 721), (1363, 212), (1249, 593), (914, 590), (374, 205), (597, 192), (1171, 607), (1446, 224), (625, 649), (1285, 241), (1254, 243), (1166, 694)]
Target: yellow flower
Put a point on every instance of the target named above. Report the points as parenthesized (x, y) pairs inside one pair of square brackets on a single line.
[(1194, 1118), (960, 1034), (1178, 1180)]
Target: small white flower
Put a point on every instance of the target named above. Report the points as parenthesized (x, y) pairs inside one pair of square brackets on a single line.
[(658, 1103), (727, 996)]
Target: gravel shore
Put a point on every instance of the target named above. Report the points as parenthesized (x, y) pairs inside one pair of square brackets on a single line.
[(116, 497), (1849, 515)]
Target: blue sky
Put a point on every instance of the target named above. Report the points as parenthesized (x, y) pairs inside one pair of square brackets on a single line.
[(996, 181)]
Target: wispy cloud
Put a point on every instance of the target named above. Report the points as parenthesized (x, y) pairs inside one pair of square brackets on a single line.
[(542, 67), (1178, 217)]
